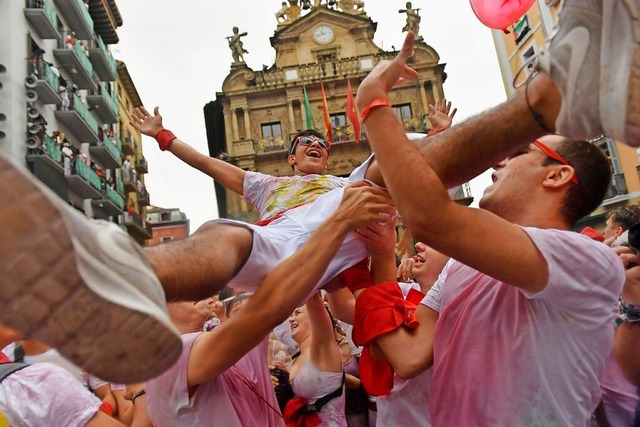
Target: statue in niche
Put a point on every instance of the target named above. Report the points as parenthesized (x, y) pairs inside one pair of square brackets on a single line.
[(236, 46)]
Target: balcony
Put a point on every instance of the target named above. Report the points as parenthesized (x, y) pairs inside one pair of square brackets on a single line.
[(128, 146), (136, 226), (77, 16), (45, 163), (129, 180), (120, 186), (79, 121), (47, 86), (338, 69), (85, 182), (111, 204), (141, 165), (104, 104), (143, 197), (103, 62), (42, 16), (77, 64), (106, 153)]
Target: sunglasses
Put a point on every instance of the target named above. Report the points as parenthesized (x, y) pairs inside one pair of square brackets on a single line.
[(555, 156), (308, 140)]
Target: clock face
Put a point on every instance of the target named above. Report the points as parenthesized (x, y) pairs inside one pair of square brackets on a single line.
[(323, 34)]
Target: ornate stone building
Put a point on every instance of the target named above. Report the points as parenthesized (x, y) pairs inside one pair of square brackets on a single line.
[(252, 120)]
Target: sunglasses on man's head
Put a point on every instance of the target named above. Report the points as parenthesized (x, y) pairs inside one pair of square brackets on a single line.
[(308, 140)]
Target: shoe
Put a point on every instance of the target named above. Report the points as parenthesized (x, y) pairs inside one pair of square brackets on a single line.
[(591, 56), (82, 286)]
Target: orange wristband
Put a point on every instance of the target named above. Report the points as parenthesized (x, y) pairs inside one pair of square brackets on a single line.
[(380, 102)]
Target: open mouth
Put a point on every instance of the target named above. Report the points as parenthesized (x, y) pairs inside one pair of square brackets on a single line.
[(316, 154), (418, 259)]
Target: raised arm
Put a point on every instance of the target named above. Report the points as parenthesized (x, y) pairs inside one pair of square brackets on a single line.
[(324, 352), (496, 247), (391, 346), (626, 344), (286, 286), (226, 174)]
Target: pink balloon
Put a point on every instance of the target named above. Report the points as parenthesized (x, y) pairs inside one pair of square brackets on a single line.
[(499, 14)]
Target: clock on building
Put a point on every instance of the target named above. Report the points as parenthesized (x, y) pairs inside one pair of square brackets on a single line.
[(323, 34)]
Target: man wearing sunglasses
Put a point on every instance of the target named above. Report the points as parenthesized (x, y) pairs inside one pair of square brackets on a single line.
[(520, 322)]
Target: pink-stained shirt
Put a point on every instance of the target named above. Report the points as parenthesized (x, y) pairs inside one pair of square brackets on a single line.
[(241, 396), (619, 396), (508, 357)]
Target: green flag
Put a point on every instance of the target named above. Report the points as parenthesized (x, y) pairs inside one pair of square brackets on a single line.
[(307, 109)]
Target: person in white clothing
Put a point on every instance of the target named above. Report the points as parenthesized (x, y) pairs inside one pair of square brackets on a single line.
[(523, 324)]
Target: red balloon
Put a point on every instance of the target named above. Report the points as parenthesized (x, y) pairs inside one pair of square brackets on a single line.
[(499, 14)]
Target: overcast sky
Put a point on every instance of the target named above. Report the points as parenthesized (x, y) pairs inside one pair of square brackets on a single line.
[(178, 57)]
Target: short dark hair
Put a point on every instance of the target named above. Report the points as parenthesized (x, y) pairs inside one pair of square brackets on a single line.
[(229, 305), (306, 132), (593, 171), (625, 216)]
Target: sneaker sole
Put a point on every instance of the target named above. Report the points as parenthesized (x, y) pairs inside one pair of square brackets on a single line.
[(620, 70), (44, 296)]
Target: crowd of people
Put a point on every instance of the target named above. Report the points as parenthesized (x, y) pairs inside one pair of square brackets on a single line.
[(505, 316)]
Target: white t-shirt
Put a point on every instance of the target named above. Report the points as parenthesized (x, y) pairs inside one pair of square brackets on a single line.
[(507, 357), (43, 394), (408, 402), (273, 194)]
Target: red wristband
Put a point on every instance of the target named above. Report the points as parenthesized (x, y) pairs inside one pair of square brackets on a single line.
[(165, 138), (380, 102)]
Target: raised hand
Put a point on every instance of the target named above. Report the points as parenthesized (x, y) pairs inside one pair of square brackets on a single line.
[(363, 204), (405, 269), (145, 123), (441, 115), (386, 75)]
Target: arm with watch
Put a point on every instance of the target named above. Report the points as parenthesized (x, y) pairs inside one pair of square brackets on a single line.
[(626, 345)]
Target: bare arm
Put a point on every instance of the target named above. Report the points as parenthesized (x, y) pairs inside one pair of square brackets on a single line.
[(626, 344), (226, 174), (433, 218), (324, 352), (286, 286)]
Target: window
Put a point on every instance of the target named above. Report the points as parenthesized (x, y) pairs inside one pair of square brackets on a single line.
[(521, 29), (338, 120), (527, 59), (608, 146), (271, 130), (403, 112), (165, 239)]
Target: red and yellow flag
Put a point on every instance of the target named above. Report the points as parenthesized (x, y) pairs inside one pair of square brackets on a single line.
[(327, 118), (352, 112)]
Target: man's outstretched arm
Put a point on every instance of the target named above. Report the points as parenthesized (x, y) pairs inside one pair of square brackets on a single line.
[(226, 174)]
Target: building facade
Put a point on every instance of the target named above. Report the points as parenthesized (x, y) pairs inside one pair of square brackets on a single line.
[(134, 165), (166, 224), (329, 45), (60, 112), (516, 54)]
